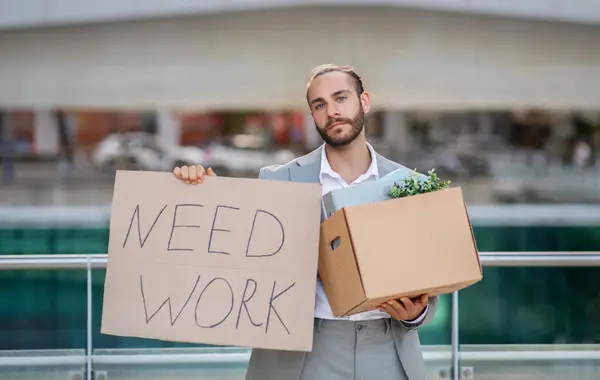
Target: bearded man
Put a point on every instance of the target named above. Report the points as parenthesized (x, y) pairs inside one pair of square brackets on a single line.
[(380, 344)]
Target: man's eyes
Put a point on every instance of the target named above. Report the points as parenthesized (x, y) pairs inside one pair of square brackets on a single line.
[(340, 98)]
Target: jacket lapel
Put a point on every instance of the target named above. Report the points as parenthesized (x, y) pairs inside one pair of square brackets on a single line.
[(307, 167)]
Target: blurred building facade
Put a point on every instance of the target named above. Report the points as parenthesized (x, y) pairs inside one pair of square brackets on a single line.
[(192, 73), (411, 58)]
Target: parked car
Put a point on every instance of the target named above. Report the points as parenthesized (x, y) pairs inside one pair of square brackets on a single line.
[(142, 151), (244, 155)]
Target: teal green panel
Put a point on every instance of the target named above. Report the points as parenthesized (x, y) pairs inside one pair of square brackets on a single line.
[(35, 241), (79, 246), (10, 244), (536, 238), (42, 310), (81, 241), (438, 332), (532, 306)]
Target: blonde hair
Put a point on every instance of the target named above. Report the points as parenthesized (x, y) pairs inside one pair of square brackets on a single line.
[(328, 68)]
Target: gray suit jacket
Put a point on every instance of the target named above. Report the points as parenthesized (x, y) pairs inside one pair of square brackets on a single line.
[(284, 365)]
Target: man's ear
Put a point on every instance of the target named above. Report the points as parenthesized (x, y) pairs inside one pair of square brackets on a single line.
[(365, 99)]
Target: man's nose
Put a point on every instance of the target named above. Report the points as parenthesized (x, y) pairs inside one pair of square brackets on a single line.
[(333, 111)]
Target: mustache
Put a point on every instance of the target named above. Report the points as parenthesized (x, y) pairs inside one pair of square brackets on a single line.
[(330, 122)]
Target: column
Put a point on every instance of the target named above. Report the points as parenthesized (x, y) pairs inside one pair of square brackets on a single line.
[(395, 131), (45, 133), (169, 127), (6, 149)]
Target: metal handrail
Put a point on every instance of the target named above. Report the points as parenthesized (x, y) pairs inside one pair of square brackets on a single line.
[(428, 356), (489, 259), (29, 361), (540, 259), (53, 262), (167, 358)]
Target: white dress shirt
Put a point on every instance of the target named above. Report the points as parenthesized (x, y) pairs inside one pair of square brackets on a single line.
[(330, 180)]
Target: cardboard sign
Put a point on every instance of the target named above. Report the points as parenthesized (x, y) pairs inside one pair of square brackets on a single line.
[(227, 262)]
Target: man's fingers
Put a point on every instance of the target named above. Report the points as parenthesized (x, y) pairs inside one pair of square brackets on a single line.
[(390, 310), (201, 173), (399, 308), (193, 175), (404, 308), (177, 172), (407, 302), (210, 172), (185, 174)]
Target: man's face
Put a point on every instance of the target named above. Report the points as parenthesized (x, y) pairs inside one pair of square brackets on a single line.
[(337, 110)]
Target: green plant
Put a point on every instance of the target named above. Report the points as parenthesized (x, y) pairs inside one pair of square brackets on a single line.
[(413, 185)]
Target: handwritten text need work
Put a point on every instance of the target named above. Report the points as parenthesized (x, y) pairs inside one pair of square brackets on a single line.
[(259, 220)]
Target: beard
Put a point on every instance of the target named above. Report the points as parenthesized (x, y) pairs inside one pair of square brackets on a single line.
[(357, 123)]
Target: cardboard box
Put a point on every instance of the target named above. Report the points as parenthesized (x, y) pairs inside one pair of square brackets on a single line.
[(374, 252), (368, 192)]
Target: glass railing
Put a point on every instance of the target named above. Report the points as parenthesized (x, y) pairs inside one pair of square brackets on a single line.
[(43, 364), (521, 321), (535, 314)]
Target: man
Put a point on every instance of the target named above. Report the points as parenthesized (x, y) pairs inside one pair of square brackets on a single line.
[(379, 344)]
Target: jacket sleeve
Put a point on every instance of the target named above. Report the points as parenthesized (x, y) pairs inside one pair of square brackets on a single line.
[(432, 306)]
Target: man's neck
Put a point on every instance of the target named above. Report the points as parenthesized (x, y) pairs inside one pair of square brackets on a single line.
[(350, 161)]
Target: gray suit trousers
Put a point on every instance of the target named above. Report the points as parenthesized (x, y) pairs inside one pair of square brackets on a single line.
[(381, 349)]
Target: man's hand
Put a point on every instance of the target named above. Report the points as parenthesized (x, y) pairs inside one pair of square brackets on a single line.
[(405, 309), (192, 174)]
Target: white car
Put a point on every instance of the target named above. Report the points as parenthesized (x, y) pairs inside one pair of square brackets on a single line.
[(142, 151), (243, 155)]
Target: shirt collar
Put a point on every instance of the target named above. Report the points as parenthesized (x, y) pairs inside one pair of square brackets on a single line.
[(372, 171)]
